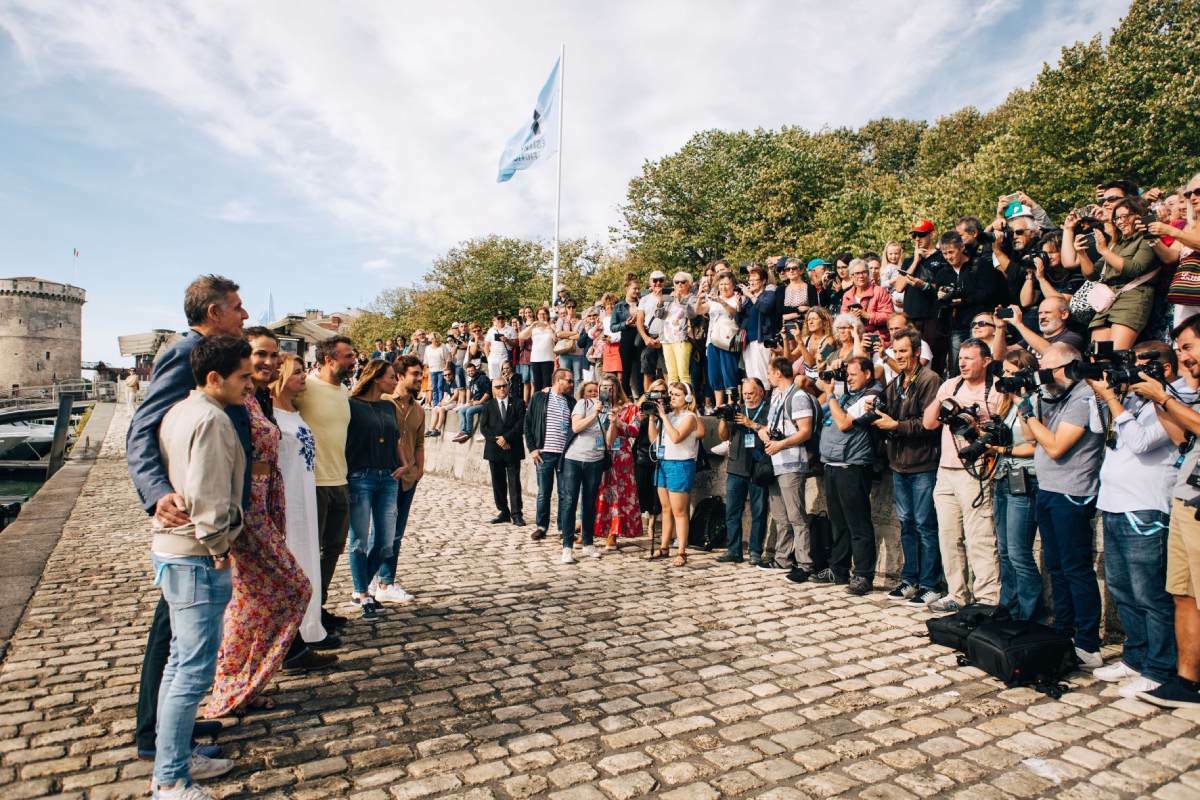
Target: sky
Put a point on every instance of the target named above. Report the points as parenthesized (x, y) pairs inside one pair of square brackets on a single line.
[(319, 153)]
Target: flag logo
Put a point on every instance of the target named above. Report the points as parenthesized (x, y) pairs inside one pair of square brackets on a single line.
[(536, 141)]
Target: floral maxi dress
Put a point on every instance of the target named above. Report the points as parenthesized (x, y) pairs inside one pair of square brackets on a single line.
[(270, 591), (618, 498)]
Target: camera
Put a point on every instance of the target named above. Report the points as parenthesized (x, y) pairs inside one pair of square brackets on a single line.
[(950, 293), (854, 307), (605, 397), (497, 336), (660, 311), (731, 409), (1004, 313), (831, 375), (1088, 220), (871, 339), (1025, 380), (871, 416), (964, 422), (773, 342), (650, 401), (1117, 367)]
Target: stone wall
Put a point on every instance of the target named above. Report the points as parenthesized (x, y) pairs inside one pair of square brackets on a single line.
[(40, 332)]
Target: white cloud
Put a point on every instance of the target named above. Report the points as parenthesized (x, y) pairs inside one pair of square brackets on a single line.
[(390, 117), (377, 265)]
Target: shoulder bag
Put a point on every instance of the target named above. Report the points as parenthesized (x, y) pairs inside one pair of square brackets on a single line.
[(1185, 283)]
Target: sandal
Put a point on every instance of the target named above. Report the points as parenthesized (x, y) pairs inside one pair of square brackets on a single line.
[(680, 560), (257, 704), (611, 544), (661, 552)]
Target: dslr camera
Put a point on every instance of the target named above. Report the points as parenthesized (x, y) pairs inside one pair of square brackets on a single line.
[(731, 409), (1116, 367), (869, 418), (964, 421), (650, 401), (831, 375), (1027, 380), (950, 293)]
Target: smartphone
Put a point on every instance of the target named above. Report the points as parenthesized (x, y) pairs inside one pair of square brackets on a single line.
[(1010, 198)]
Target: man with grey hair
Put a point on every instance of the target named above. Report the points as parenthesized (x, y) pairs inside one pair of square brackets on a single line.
[(1069, 449), (1053, 313)]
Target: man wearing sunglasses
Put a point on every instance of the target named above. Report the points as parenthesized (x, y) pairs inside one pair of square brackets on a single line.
[(921, 306), (651, 319)]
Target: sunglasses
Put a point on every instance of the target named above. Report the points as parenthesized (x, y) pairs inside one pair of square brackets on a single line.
[(982, 324), (1112, 198), (916, 235), (1189, 193), (657, 280), (499, 385), (681, 283)]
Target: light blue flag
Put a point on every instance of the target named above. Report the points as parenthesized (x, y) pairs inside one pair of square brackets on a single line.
[(537, 140)]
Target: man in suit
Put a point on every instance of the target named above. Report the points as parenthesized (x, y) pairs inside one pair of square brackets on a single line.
[(501, 425)]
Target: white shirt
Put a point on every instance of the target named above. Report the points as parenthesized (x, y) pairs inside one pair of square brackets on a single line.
[(716, 311), (647, 305), (543, 345), (587, 445), (498, 351), (678, 451), (790, 459), (1140, 474)]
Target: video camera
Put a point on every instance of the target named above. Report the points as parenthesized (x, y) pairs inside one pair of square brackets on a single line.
[(965, 422), (1027, 380), (650, 401), (1117, 367), (731, 409)]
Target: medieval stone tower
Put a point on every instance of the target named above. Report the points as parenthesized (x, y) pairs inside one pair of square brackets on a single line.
[(40, 332)]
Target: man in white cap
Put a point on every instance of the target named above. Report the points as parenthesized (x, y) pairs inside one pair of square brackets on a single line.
[(651, 319)]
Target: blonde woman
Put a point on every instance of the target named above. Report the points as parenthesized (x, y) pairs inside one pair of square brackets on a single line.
[(582, 469), (815, 343), (677, 348), (675, 433)]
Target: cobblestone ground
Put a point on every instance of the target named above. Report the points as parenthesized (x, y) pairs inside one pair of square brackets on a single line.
[(513, 676)]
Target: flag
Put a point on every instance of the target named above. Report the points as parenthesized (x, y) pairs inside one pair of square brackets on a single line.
[(537, 139)]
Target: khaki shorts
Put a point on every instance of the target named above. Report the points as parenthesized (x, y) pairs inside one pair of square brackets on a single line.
[(1183, 552), (1131, 309)]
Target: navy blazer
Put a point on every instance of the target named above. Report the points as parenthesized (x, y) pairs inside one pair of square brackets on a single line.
[(170, 382)]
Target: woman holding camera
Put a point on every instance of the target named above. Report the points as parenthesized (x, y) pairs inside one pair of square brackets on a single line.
[(794, 295), (815, 344), (675, 432), (582, 468), (617, 512), (1013, 498), (721, 308), (645, 465), (872, 304), (1126, 265)]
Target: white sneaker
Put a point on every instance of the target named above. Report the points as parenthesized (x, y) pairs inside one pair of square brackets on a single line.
[(1139, 684), (202, 768), (393, 594), (1088, 661), (1116, 672), (177, 792), (568, 557), (721, 449), (591, 552)]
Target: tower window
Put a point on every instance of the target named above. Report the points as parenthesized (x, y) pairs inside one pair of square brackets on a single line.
[(47, 355)]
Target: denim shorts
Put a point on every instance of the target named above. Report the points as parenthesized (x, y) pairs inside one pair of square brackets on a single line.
[(675, 475), (525, 371)]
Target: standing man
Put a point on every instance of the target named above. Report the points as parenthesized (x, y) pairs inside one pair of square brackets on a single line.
[(212, 307), (650, 321), (1067, 456), (848, 453), (745, 450), (325, 408), (790, 421), (913, 452), (965, 531), (547, 431), (922, 306), (502, 424), (479, 389), (966, 289), (498, 342), (410, 418)]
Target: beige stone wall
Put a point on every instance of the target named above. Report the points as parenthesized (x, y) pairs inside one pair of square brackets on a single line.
[(40, 332)]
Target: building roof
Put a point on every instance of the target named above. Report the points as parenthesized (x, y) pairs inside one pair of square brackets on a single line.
[(145, 344), (304, 328)]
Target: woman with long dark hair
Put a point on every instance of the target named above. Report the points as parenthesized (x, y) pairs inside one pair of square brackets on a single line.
[(617, 513)]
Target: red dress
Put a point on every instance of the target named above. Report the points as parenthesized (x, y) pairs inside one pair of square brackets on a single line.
[(270, 591), (618, 498)]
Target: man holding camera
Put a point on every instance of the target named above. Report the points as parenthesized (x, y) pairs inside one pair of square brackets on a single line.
[(965, 532), (848, 456), (965, 290), (918, 282), (499, 342), (1067, 456), (745, 451), (789, 425), (1052, 327), (913, 452), (650, 321)]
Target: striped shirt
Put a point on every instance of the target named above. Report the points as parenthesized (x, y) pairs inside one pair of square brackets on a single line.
[(558, 420)]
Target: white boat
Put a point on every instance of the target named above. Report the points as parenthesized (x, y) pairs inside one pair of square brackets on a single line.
[(30, 439), (11, 440)]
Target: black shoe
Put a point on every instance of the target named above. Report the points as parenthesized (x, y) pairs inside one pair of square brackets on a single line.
[(770, 563), (903, 591), (502, 517), (308, 660), (755, 560), (333, 621), (518, 520), (797, 575), (331, 642), (538, 534), (827, 575), (370, 609), (728, 558), (859, 585), (207, 727), (1175, 693)]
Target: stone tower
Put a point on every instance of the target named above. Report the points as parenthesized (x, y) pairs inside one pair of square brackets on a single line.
[(40, 332)]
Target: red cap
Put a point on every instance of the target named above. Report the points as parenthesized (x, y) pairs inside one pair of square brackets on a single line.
[(924, 226)]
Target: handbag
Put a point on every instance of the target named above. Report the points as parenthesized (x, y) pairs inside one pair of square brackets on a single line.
[(563, 347), (1081, 310), (726, 334), (763, 472), (1101, 296), (1185, 283)]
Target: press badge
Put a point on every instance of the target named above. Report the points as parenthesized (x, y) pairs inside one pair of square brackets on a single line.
[(660, 451), (599, 441), (748, 440)]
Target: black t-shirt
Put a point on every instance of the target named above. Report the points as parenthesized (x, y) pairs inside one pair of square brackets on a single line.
[(922, 304), (478, 386), (372, 435), (741, 458)]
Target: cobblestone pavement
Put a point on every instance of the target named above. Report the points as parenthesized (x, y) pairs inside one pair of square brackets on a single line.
[(513, 676)]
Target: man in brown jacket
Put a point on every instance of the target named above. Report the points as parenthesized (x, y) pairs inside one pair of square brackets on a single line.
[(913, 454)]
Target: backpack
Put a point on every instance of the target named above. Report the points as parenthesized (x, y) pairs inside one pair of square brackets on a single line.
[(1022, 653), (812, 447), (707, 528), (952, 631)]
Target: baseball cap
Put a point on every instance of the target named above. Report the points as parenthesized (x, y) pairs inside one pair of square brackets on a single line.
[(817, 262), (1017, 209), (657, 276), (924, 226)]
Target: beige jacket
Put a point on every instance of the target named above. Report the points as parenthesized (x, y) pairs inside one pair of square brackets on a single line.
[(206, 464)]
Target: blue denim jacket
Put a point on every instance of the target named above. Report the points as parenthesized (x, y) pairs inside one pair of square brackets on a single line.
[(170, 382)]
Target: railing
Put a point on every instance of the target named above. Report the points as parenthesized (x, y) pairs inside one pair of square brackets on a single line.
[(26, 396)]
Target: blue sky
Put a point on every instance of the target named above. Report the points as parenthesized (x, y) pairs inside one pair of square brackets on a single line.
[(324, 152)]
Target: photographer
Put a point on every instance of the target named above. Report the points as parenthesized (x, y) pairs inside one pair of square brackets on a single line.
[(1183, 537), (963, 502), (1014, 497), (886, 365), (499, 341), (870, 303), (822, 279), (1067, 459), (1015, 243), (848, 456), (1137, 480), (650, 320), (1052, 318), (919, 285), (965, 290), (789, 425), (1048, 277), (745, 450), (912, 452)]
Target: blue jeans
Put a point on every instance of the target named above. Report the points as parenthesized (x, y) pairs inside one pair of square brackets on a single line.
[(1135, 569), (1067, 552), (466, 418), (1020, 581), (575, 364), (912, 496), (404, 499), (545, 479), (737, 489), (437, 382), (576, 476), (196, 595), (372, 523), (956, 340)]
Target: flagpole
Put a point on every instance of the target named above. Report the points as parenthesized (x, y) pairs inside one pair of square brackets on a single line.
[(562, 66)]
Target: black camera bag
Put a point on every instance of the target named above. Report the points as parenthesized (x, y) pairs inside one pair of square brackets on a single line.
[(952, 631), (1022, 653)]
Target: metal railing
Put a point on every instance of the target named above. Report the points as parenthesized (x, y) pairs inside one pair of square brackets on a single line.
[(26, 396)]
